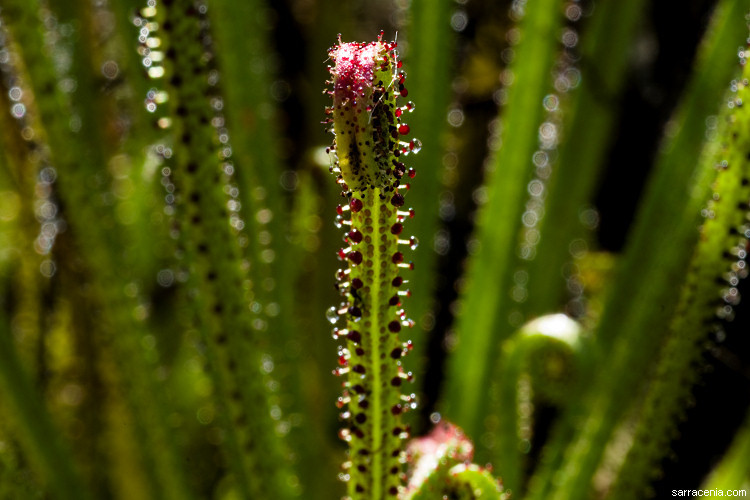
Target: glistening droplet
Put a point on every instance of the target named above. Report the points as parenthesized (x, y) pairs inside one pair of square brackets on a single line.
[(332, 315)]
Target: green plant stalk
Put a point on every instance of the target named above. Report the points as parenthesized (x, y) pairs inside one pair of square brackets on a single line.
[(483, 322), (312, 436), (588, 121), (12, 470), (440, 467), (40, 440), (671, 207), (714, 273), (547, 350), (11, 466), (678, 185), (130, 63), (79, 157), (82, 157), (97, 452), (377, 343), (23, 167), (234, 347), (461, 482), (246, 82), (367, 127), (246, 88), (144, 225)]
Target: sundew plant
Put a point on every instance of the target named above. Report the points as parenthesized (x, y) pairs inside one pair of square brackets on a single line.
[(368, 250)]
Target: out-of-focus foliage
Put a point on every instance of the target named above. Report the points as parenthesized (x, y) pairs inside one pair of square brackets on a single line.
[(168, 248)]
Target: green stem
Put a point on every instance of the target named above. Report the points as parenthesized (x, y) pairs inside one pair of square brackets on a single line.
[(80, 158), (367, 127), (589, 119), (630, 328), (547, 352), (713, 276), (461, 482), (377, 420), (38, 436), (235, 345), (486, 306)]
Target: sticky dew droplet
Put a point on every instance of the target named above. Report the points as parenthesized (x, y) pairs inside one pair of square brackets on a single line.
[(332, 315)]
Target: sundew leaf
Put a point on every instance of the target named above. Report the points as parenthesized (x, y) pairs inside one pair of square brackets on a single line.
[(80, 149), (371, 144), (631, 328), (588, 120), (38, 436), (483, 321), (713, 286)]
